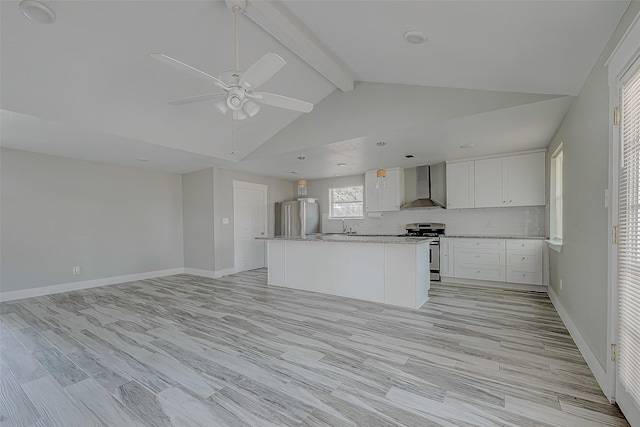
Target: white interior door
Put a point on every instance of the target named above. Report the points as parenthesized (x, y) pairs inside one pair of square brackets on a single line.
[(250, 221), (627, 387)]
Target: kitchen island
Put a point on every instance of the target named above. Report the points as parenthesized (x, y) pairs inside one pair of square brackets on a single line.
[(387, 269)]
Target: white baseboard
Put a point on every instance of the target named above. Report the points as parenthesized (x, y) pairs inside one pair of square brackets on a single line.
[(85, 284), (208, 273), (596, 368)]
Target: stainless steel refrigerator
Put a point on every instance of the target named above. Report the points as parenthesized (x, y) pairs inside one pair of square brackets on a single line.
[(297, 218)]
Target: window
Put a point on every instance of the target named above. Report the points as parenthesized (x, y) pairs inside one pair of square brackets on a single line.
[(346, 202), (555, 193)]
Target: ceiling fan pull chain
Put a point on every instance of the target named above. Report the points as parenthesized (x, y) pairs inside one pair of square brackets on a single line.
[(234, 133)]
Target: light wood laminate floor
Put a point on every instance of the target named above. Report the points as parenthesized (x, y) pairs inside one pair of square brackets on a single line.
[(189, 351)]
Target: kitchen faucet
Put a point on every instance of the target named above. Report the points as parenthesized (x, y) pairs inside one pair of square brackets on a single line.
[(347, 230)]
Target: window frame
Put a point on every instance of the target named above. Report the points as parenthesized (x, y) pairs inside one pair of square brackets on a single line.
[(556, 198), (331, 202)]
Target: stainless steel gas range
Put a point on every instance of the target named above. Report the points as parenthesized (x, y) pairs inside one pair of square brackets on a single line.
[(429, 229)]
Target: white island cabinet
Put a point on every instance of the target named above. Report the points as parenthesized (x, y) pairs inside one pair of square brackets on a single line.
[(390, 271)]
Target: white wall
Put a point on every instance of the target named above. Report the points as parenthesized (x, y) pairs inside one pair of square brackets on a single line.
[(197, 208), (109, 220), (520, 221), (582, 265)]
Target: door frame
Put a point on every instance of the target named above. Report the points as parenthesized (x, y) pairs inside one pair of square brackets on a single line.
[(624, 57), (247, 186)]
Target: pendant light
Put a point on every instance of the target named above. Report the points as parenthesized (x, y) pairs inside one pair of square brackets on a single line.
[(381, 174), (302, 187)]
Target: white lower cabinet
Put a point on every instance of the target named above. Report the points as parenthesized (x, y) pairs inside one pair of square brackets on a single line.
[(446, 257), (524, 261), (481, 259), (497, 260)]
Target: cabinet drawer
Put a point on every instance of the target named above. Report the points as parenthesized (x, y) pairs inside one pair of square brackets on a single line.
[(524, 259), (495, 273), (525, 245), (528, 276), (478, 243), (488, 257)]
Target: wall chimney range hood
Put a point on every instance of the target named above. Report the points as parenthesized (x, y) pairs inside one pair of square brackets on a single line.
[(430, 188)]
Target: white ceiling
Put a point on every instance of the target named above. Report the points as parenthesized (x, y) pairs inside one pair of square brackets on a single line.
[(85, 87)]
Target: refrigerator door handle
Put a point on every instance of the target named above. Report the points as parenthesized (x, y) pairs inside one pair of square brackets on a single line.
[(303, 225)]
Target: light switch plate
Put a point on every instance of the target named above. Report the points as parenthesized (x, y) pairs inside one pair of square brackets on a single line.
[(225, 220)]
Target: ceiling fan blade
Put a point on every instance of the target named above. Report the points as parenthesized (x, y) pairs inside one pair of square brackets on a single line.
[(188, 69), (197, 98), (262, 70), (283, 102)]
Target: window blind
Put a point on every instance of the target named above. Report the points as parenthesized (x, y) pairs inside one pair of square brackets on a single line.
[(629, 241)]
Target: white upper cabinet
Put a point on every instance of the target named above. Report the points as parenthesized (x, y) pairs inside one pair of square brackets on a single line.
[(517, 180), (389, 198), (460, 185), (489, 182), (524, 179)]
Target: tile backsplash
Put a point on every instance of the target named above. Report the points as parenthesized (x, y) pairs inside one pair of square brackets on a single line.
[(515, 221)]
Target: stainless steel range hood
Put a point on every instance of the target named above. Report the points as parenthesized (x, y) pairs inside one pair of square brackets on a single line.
[(431, 190)]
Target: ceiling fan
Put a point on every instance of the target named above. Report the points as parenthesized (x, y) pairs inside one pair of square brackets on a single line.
[(239, 95)]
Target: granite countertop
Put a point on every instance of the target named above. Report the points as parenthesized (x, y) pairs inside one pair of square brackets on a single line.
[(497, 237), (355, 238)]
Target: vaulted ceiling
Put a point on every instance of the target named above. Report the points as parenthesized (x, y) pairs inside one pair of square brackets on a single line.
[(497, 74)]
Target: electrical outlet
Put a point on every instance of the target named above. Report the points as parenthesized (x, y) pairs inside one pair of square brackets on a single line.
[(560, 284), (76, 269)]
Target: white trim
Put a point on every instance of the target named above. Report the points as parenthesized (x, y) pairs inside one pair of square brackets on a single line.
[(626, 48), (629, 409), (264, 189), (250, 185), (85, 284), (208, 273), (492, 284), (555, 244), (596, 368)]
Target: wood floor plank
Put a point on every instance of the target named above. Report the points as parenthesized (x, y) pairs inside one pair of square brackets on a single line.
[(55, 406), (185, 350)]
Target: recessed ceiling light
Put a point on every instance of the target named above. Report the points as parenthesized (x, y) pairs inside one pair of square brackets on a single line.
[(415, 37), (342, 164), (37, 12), (143, 159), (465, 146)]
